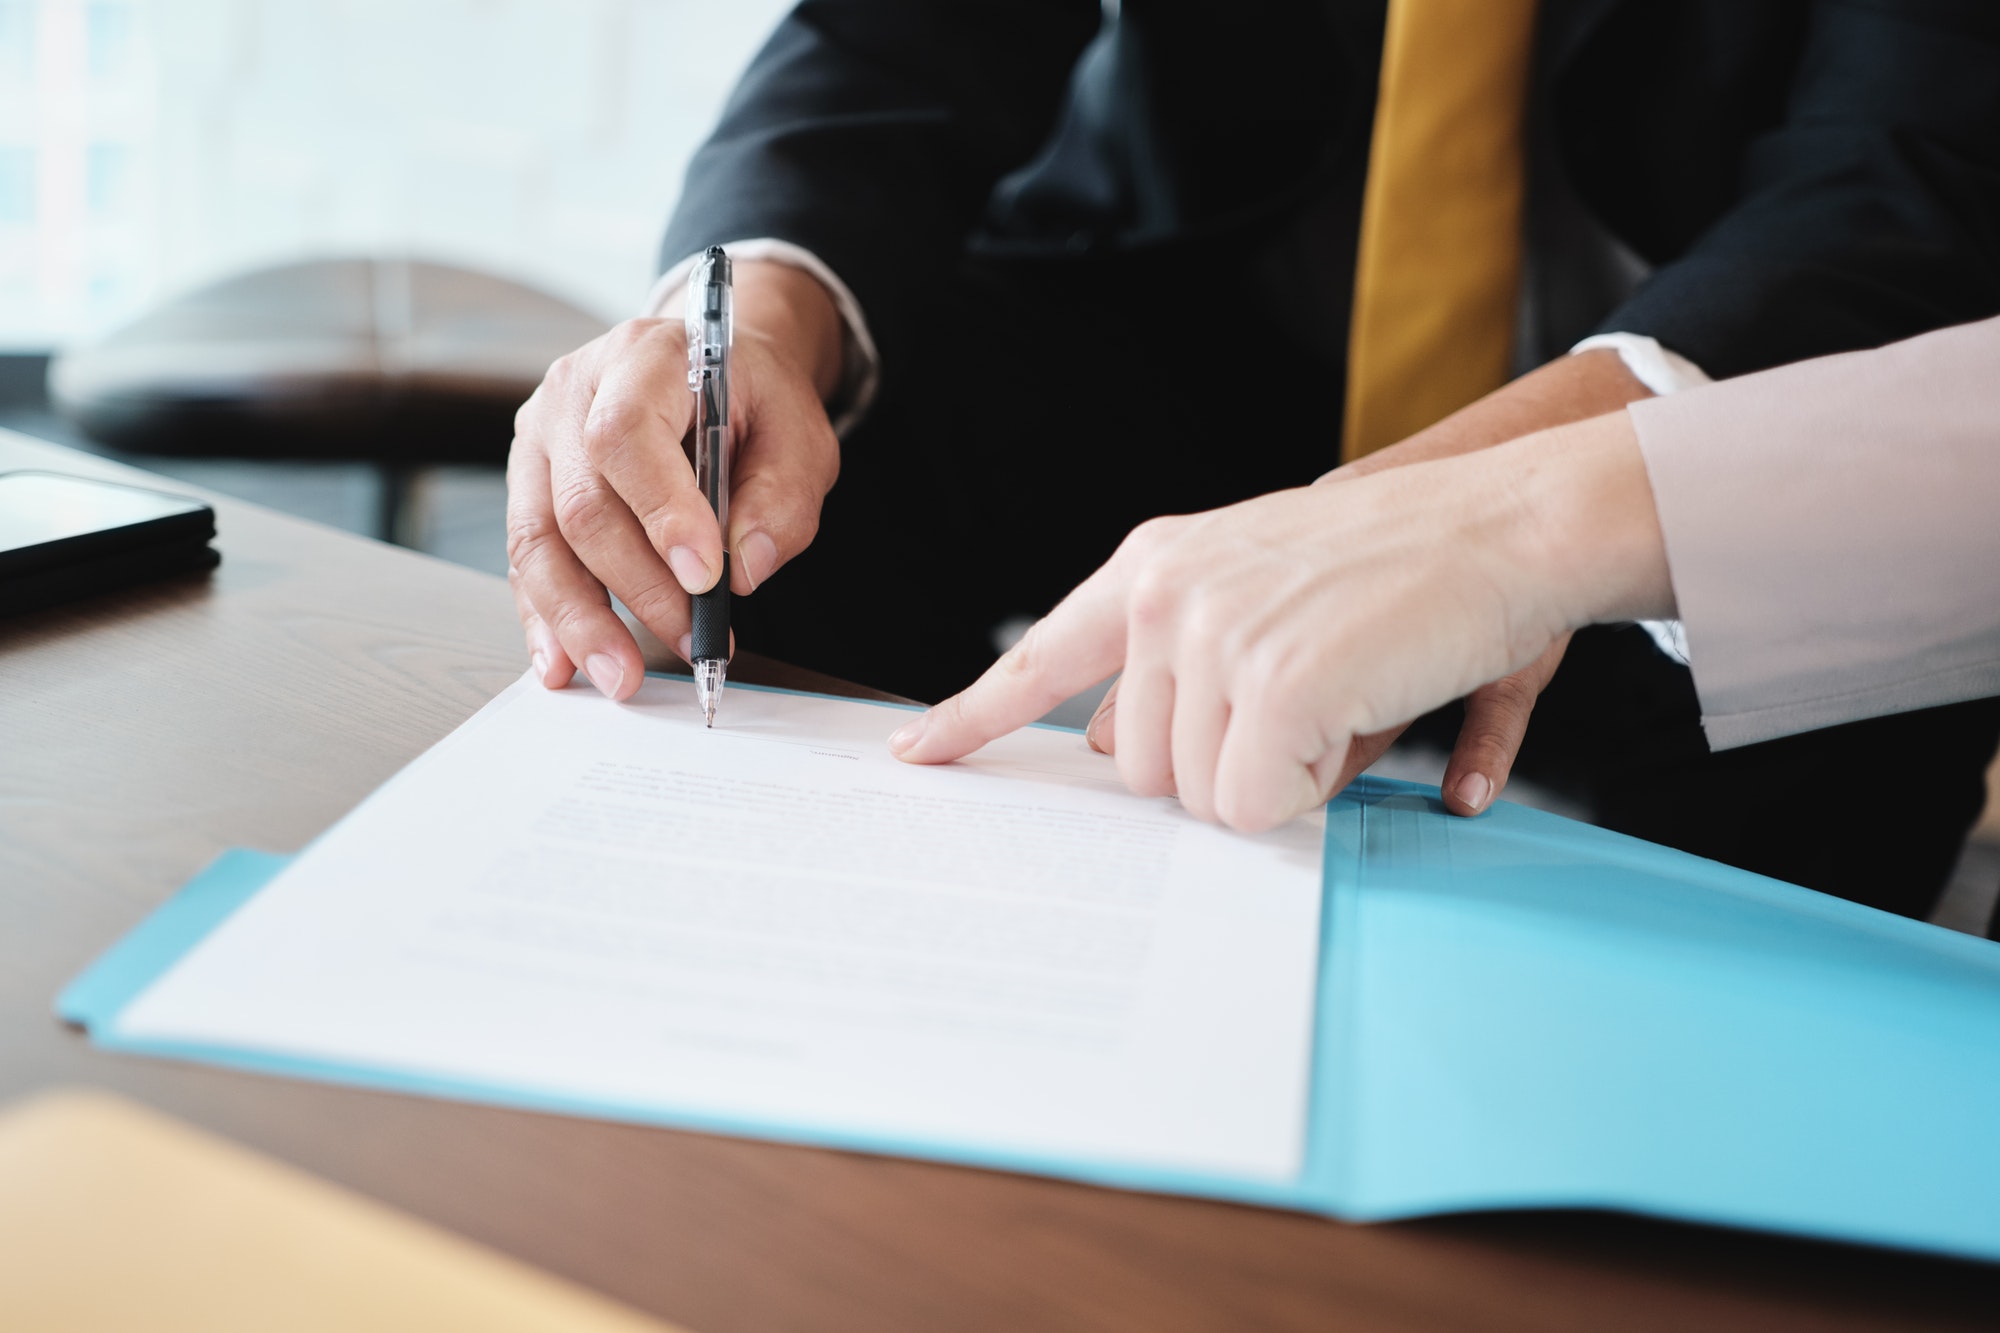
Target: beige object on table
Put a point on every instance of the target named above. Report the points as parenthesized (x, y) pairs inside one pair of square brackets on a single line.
[(114, 1217)]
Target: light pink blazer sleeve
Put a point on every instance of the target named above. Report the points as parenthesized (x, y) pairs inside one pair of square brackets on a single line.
[(1833, 533)]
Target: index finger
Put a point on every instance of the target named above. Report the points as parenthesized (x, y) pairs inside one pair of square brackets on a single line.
[(1072, 648)]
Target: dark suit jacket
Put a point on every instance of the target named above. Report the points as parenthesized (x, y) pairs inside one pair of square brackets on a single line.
[(1801, 176)]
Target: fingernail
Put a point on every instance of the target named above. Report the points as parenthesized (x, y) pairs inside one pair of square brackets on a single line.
[(540, 661), (1474, 791), (759, 556), (908, 734), (686, 648), (1100, 727), (689, 569), (605, 674)]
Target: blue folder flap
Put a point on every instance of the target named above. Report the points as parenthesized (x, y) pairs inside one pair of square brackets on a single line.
[(1515, 1010), (1538, 1012), (174, 927)]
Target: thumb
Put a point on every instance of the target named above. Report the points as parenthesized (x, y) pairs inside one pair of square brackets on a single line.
[(785, 462), (1496, 722), (1102, 733)]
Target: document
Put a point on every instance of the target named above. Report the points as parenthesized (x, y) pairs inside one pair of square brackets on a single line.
[(775, 926)]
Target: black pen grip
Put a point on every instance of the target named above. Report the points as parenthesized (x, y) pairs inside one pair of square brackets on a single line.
[(710, 632)]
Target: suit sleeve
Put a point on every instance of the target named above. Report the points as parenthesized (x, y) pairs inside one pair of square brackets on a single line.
[(1870, 212), (870, 133), (1830, 533)]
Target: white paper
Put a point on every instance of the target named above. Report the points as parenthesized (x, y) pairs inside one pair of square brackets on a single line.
[(777, 923)]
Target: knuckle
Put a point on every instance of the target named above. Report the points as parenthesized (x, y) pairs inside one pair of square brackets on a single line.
[(950, 716), (1019, 674), (1211, 624), (659, 527), (1150, 537), (583, 510), (791, 515), (793, 530), (628, 333), (1243, 814), (609, 430), (1224, 638), (1024, 660), (1156, 597), (658, 604), (524, 416), (564, 369), (1145, 777), (1506, 699), (670, 522), (1479, 739), (800, 498), (1486, 756), (1278, 679), (1228, 806), (1197, 793), (573, 623), (827, 456), (528, 535)]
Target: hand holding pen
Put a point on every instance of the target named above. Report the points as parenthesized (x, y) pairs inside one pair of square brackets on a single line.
[(602, 494)]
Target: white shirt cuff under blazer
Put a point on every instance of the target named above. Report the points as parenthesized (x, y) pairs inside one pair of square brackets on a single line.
[(861, 366), (1663, 372), (1833, 533), (1652, 365)]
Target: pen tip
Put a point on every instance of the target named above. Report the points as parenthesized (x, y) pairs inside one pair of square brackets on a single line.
[(708, 688)]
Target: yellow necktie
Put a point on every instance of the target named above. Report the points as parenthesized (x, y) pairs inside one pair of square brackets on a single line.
[(1439, 268)]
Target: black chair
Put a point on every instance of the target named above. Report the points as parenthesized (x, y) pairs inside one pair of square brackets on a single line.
[(396, 363)]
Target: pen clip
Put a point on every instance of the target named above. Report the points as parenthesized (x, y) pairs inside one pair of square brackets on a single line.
[(708, 318)]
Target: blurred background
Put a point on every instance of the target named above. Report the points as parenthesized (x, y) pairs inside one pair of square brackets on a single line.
[(150, 147)]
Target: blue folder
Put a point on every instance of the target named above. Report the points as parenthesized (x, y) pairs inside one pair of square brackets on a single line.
[(1516, 1010)]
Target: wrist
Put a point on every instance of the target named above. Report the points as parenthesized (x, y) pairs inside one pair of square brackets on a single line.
[(786, 306), (1592, 535), (1571, 388)]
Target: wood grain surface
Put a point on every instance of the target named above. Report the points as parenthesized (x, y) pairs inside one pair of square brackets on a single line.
[(143, 732)]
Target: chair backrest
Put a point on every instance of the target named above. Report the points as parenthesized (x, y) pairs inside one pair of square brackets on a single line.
[(353, 358)]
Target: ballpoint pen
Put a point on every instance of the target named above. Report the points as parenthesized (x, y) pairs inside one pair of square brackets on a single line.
[(710, 331)]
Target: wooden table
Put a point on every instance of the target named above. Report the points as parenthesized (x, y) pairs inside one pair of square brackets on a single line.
[(145, 731)]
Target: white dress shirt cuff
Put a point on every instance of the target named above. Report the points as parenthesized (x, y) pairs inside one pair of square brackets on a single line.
[(1663, 372), (1660, 370), (861, 364)]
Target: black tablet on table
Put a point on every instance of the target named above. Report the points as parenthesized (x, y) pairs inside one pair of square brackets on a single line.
[(64, 537)]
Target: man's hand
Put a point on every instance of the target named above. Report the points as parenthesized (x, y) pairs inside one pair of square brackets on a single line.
[(601, 495), (1262, 643)]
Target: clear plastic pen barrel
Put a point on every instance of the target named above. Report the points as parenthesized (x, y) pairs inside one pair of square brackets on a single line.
[(710, 333)]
